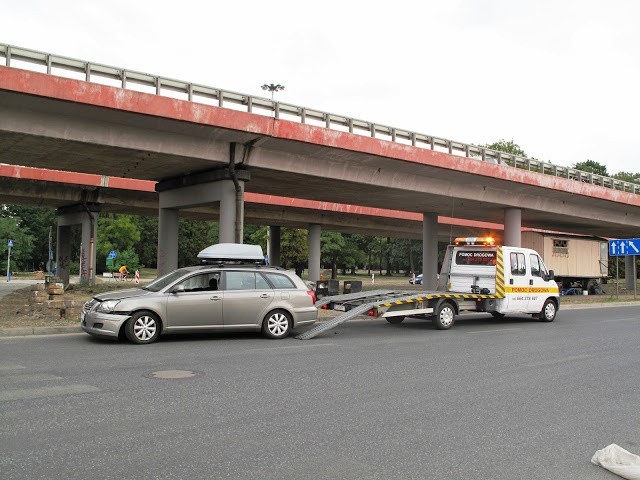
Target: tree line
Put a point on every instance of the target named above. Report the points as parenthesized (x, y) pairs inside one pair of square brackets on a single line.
[(135, 239)]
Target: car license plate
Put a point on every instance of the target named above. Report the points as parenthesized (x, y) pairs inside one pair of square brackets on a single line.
[(339, 308)]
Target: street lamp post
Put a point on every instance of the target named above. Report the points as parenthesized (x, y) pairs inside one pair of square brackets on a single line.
[(273, 88)]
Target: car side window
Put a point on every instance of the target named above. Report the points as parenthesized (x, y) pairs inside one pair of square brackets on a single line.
[(202, 282), (518, 266), (261, 283), (280, 281), (240, 281), (535, 265)]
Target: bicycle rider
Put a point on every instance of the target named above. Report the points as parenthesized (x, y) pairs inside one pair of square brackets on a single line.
[(124, 273)]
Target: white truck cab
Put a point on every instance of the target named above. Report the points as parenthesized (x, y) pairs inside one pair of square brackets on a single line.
[(516, 277)]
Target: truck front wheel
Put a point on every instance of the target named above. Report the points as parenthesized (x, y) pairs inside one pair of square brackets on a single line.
[(548, 313), (445, 316)]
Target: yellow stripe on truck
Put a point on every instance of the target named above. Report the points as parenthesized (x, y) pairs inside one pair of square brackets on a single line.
[(532, 290)]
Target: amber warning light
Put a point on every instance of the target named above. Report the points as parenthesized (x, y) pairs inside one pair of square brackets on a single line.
[(487, 241)]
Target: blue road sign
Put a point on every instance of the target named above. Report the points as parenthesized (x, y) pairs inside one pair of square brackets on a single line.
[(628, 246), (113, 254)]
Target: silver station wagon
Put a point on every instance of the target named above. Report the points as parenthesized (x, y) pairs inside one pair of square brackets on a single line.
[(232, 291)]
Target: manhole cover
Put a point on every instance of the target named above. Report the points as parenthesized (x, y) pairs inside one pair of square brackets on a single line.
[(172, 374)]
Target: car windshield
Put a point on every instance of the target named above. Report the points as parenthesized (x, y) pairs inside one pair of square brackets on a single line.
[(160, 283)]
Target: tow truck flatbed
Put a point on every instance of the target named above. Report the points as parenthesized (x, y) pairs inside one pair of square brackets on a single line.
[(386, 303)]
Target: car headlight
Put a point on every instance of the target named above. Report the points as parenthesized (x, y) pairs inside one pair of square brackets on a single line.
[(108, 306)]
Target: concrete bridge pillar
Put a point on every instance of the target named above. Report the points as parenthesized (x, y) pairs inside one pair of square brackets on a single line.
[(273, 246), (204, 189), (429, 250), (85, 215), (629, 273), (314, 252), (512, 227), (167, 240)]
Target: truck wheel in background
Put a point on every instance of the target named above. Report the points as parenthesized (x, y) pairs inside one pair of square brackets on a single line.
[(394, 320), (445, 316), (548, 313)]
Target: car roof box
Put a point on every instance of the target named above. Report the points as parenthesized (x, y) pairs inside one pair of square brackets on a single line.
[(232, 253)]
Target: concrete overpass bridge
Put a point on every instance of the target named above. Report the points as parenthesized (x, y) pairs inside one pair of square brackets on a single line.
[(202, 154)]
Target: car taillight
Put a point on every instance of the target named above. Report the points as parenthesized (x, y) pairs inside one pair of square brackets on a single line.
[(312, 295)]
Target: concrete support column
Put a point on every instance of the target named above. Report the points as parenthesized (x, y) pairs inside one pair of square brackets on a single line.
[(629, 278), (88, 248), (228, 206), (63, 253), (198, 190), (167, 240), (429, 250), (273, 246), (86, 215), (314, 252), (512, 227)]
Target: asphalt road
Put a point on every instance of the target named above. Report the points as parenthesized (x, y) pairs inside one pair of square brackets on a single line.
[(489, 399)]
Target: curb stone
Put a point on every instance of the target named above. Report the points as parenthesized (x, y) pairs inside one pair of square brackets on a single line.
[(24, 331)]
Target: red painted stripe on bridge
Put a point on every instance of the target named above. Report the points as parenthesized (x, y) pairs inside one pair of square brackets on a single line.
[(41, 84), (74, 178)]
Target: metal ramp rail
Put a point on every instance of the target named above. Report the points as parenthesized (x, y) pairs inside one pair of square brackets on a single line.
[(380, 297), (354, 296)]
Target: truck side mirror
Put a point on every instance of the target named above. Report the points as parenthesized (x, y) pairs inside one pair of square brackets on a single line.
[(550, 275)]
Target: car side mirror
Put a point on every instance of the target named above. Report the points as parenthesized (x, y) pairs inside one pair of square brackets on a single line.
[(178, 289)]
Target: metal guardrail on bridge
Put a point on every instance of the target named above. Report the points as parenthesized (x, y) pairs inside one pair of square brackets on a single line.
[(130, 79)]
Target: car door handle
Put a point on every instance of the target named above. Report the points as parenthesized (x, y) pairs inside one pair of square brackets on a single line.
[(264, 295), (215, 298), (531, 282)]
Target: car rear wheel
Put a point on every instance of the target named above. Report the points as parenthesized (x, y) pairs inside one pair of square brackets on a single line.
[(276, 324), (142, 328)]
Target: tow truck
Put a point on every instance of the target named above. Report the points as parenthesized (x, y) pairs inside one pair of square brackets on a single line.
[(476, 276)]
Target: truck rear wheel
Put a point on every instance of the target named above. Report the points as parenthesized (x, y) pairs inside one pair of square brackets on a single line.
[(394, 320), (445, 316)]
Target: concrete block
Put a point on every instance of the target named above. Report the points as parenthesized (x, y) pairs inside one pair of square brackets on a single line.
[(68, 303), (38, 287), (55, 303), (56, 291)]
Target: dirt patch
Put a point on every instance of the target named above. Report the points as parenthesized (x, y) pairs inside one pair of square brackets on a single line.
[(18, 309)]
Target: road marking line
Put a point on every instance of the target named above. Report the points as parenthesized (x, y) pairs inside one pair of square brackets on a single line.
[(10, 366), (621, 319), (27, 377), (559, 360), (494, 330), (292, 347), (31, 393)]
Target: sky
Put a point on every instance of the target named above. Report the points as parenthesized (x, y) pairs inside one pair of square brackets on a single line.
[(560, 78)]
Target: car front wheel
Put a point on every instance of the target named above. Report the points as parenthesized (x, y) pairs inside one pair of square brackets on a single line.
[(142, 328), (276, 324)]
